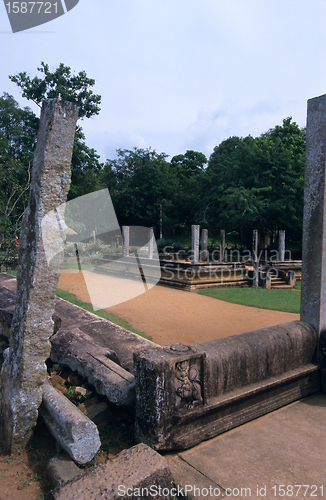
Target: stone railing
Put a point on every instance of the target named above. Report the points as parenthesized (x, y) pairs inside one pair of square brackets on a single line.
[(186, 394)]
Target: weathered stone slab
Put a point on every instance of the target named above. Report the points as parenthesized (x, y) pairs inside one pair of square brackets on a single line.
[(281, 245), (62, 469), (123, 342), (138, 473), (24, 370), (95, 362), (192, 483), (313, 291), (76, 433), (187, 394), (195, 243)]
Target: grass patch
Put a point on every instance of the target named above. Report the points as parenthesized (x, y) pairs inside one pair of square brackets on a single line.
[(70, 297), (277, 300)]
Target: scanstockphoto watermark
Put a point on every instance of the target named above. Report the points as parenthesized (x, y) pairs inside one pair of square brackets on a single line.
[(25, 15), (155, 491)]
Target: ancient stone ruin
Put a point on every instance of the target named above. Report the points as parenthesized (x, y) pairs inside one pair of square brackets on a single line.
[(24, 369), (181, 394)]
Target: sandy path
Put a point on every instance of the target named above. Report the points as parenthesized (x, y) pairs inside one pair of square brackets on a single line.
[(171, 316)]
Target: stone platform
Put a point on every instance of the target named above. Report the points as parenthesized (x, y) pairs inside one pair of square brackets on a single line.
[(273, 453)]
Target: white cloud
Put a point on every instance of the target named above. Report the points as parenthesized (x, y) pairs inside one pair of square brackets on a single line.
[(182, 74)]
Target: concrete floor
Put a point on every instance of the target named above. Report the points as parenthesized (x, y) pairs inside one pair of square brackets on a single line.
[(286, 447)]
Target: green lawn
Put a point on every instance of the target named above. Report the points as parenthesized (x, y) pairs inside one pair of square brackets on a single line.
[(278, 300)]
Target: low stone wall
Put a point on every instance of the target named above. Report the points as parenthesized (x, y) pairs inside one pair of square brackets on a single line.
[(186, 394)]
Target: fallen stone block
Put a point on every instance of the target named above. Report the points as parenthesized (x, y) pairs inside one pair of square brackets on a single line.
[(139, 473), (76, 433), (62, 469), (95, 362)]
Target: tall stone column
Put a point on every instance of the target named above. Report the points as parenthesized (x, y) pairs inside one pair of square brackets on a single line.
[(222, 245), (313, 291), (204, 243), (24, 369), (281, 245), (150, 243), (125, 240), (255, 245), (195, 244)]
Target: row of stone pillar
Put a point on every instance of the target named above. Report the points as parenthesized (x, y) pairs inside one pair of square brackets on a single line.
[(126, 241), (203, 254)]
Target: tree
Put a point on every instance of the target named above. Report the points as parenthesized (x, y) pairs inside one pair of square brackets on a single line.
[(18, 130), (257, 183), (86, 169), (85, 165), (61, 82), (140, 180), (189, 164), (188, 169)]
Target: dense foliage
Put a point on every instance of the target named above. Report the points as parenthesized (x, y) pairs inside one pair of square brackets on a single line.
[(60, 82), (257, 183)]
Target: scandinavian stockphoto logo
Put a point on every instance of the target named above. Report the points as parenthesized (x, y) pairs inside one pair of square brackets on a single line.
[(25, 15), (112, 274)]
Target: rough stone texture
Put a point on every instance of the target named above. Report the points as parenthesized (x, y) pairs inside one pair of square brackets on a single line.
[(62, 469), (7, 309), (255, 245), (186, 394), (98, 364), (313, 292), (222, 245), (204, 242), (255, 279), (123, 342), (125, 240), (291, 278), (76, 433), (268, 282), (281, 245), (191, 481), (133, 470), (24, 370), (151, 243), (195, 243)]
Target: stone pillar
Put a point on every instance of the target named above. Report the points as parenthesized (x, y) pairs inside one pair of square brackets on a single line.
[(24, 369), (222, 245), (195, 244), (204, 243), (313, 291), (125, 240), (150, 243), (255, 245), (268, 283), (291, 278), (281, 245), (255, 282)]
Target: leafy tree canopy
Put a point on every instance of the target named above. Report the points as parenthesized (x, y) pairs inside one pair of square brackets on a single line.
[(18, 130), (60, 82), (257, 183)]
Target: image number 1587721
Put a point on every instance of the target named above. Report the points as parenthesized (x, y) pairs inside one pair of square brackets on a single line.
[(32, 7)]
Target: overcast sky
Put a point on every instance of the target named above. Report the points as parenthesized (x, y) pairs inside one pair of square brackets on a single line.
[(180, 74)]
